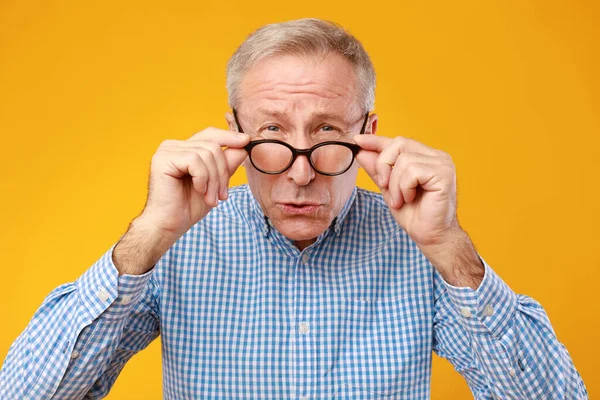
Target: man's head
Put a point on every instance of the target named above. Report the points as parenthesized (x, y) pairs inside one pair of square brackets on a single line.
[(302, 82)]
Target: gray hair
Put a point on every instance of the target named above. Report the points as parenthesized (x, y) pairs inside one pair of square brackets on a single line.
[(302, 37)]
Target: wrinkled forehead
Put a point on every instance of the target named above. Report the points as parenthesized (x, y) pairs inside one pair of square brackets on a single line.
[(301, 86)]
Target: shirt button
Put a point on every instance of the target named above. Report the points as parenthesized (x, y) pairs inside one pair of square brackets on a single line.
[(305, 258), (465, 312), (126, 300), (512, 372), (303, 328), (103, 295), (74, 354), (488, 310)]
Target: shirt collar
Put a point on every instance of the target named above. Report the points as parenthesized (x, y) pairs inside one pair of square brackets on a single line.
[(265, 225)]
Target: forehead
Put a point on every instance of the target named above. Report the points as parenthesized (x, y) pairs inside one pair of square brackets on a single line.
[(301, 84)]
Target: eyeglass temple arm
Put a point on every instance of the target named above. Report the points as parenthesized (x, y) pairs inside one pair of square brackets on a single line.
[(362, 130), (237, 122)]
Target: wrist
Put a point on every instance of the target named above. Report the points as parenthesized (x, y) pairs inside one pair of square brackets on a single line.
[(141, 247), (456, 260)]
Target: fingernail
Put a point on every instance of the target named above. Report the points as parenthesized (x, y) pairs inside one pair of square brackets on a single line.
[(223, 193)]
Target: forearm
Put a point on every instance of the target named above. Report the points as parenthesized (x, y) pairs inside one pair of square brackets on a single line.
[(54, 357), (456, 260), (544, 368), (44, 346), (503, 343), (49, 347), (141, 247)]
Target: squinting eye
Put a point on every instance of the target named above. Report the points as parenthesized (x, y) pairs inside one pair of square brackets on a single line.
[(327, 128), (273, 128)]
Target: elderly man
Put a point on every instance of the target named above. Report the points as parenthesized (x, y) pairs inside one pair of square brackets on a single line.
[(298, 285)]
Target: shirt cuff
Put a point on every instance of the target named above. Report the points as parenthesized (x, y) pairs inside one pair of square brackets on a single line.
[(104, 293), (489, 309)]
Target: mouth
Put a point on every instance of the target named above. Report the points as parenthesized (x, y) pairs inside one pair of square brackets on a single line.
[(298, 208)]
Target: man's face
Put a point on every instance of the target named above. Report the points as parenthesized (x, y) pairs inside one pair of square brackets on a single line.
[(301, 101)]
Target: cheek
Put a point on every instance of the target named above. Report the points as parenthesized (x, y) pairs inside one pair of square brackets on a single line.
[(342, 188), (260, 184)]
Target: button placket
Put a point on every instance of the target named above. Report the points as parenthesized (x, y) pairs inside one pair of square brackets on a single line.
[(303, 339), (303, 328)]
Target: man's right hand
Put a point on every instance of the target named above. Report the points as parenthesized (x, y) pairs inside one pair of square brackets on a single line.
[(188, 177), (186, 180)]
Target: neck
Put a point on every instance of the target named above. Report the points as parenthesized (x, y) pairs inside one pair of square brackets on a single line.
[(302, 244)]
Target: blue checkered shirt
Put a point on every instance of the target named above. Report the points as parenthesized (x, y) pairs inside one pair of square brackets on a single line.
[(242, 313)]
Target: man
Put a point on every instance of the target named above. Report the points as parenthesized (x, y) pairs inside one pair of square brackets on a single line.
[(298, 285)]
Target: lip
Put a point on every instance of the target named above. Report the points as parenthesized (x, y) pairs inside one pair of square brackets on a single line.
[(298, 208)]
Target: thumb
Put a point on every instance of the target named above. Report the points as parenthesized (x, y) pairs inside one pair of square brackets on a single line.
[(234, 158), (367, 160)]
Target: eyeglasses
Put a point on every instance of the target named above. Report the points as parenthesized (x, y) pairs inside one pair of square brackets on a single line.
[(330, 158)]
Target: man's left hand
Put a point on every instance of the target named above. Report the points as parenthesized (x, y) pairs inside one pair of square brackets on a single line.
[(418, 184)]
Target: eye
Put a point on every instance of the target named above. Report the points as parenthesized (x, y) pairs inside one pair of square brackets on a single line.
[(328, 129), (272, 128)]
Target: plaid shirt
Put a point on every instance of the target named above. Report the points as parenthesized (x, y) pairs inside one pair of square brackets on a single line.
[(244, 314)]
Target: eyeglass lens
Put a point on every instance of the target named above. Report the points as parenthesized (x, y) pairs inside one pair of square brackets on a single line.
[(275, 157)]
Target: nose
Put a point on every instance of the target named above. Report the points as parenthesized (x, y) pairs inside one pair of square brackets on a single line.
[(301, 172)]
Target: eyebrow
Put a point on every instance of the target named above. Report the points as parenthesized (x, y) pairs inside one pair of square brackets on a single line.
[(320, 115)]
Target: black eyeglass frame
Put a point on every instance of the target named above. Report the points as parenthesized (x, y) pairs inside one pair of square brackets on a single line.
[(301, 152)]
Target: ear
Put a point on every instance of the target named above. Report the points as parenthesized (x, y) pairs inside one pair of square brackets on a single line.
[(231, 122), (371, 128)]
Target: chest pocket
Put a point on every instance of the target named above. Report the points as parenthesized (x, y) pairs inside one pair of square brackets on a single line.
[(387, 345)]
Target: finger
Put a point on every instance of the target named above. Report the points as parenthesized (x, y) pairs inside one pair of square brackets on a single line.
[(412, 177), (385, 160), (405, 163), (367, 160), (389, 150), (410, 171), (221, 166), (212, 191), (410, 180), (380, 143), (375, 145), (219, 157), (201, 168), (183, 164), (396, 196), (387, 197), (222, 137), (217, 154), (234, 158)]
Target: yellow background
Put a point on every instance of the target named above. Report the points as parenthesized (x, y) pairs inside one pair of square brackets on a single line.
[(510, 89)]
